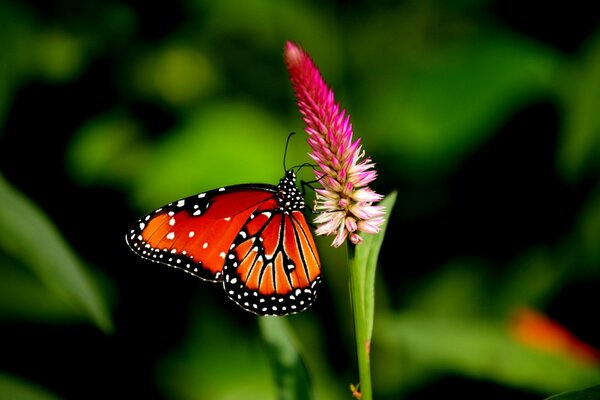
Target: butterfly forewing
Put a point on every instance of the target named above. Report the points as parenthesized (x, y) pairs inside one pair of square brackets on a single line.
[(195, 233)]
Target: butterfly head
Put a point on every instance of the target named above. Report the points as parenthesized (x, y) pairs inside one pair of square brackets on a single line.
[(289, 196)]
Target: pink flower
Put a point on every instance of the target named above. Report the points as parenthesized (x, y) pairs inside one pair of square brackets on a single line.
[(345, 202)]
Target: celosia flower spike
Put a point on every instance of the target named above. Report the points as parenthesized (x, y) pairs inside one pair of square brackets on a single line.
[(345, 202)]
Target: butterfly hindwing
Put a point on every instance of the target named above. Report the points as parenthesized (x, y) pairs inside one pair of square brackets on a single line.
[(273, 267), (195, 233)]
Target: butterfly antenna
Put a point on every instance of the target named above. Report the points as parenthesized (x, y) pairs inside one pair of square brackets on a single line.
[(287, 142)]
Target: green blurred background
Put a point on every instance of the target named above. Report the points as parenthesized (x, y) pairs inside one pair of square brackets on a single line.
[(484, 115)]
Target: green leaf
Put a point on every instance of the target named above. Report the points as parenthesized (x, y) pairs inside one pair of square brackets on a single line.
[(291, 376), (420, 344), (28, 236), (228, 137), (15, 388), (457, 288), (177, 73), (107, 150), (60, 55), (592, 393), (437, 105), (17, 32), (362, 262), (580, 95), (587, 232), (219, 358), (366, 258), (24, 297)]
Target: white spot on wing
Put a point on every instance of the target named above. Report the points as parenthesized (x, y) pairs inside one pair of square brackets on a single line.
[(172, 221), (180, 203), (142, 225), (171, 235), (191, 234)]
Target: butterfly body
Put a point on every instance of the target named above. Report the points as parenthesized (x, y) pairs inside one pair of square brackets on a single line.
[(252, 237)]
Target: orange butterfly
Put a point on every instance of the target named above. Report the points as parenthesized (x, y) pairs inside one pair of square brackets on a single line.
[(252, 237)]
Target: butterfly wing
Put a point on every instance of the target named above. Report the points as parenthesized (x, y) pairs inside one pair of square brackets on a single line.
[(196, 233), (273, 267)]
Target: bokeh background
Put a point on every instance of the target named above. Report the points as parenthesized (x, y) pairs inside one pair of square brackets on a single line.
[(483, 115)]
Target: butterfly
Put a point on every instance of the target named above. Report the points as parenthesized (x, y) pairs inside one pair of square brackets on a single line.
[(253, 238)]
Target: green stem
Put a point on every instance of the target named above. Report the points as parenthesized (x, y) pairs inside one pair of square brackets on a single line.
[(357, 291)]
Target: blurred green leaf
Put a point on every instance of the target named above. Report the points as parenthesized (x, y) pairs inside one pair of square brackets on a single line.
[(107, 149), (27, 235), (592, 393), (221, 144), (291, 376), (24, 297), (218, 359), (579, 148), (14, 388), (17, 33), (587, 232), (443, 99), (468, 287), (459, 288), (478, 348), (532, 278), (266, 25), (52, 51), (176, 74), (60, 55), (307, 330)]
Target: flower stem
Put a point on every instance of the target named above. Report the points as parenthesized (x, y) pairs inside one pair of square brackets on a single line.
[(363, 345)]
